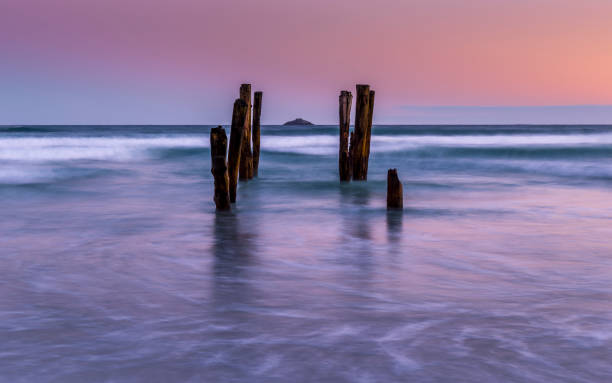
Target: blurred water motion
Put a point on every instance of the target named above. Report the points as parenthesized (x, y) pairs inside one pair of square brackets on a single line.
[(115, 267)]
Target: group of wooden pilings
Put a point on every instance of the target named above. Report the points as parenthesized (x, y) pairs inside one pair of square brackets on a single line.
[(354, 153), (242, 161)]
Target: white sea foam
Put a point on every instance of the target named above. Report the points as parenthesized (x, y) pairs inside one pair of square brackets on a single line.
[(505, 140), (29, 159), (25, 174), (312, 145), (124, 148), (328, 144), (43, 149)]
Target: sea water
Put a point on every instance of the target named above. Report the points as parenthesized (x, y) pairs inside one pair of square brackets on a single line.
[(115, 267)]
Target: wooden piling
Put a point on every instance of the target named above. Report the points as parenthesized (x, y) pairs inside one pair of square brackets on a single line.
[(351, 148), (235, 146), (256, 131), (246, 157), (369, 133), (218, 154), (395, 191), (358, 150), (344, 166)]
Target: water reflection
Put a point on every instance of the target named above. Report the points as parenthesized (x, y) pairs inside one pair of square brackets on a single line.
[(356, 199), (233, 249), (394, 225), (357, 238)]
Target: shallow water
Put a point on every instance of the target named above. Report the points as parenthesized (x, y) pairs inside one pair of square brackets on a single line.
[(115, 267)]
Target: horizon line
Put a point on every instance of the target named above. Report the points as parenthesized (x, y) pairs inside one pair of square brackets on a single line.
[(315, 125)]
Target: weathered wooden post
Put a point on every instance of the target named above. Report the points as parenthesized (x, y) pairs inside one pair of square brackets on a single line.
[(256, 131), (358, 150), (344, 159), (246, 157), (218, 154), (351, 148), (369, 134), (395, 191), (235, 146)]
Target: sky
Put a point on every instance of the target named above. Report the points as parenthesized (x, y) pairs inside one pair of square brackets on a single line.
[(182, 61)]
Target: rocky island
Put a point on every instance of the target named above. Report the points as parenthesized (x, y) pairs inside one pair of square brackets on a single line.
[(299, 122)]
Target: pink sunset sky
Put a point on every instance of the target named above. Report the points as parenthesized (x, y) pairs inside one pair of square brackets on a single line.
[(182, 61)]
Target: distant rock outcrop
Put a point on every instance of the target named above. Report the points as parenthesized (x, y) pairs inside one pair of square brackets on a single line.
[(298, 122)]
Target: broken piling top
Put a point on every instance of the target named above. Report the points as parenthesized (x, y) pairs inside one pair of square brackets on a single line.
[(395, 191), (360, 150), (235, 145), (218, 152), (369, 134), (218, 142), (256, 131), (246, 158), (344, 160)]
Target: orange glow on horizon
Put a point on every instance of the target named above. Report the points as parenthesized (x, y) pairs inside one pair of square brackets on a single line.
[(419, 52)]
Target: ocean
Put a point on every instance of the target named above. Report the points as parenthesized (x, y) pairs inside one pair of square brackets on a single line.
[(115, 267)]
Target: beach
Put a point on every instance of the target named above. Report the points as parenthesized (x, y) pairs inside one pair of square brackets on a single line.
[(115, 265)]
